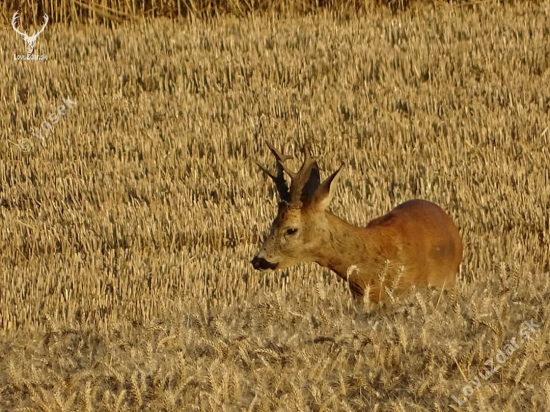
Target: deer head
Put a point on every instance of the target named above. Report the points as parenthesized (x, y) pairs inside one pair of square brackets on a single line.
[(295, 233), (30, 40)]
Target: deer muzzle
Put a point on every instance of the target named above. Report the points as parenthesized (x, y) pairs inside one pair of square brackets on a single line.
[(262, 264)]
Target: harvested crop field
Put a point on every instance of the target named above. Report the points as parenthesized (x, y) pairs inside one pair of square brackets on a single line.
[(127, 228)]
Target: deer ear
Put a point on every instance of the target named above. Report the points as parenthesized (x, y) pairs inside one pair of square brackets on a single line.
[(323, 195), (312, 183)]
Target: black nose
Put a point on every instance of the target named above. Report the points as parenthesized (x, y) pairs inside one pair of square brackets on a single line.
[(262, 264)]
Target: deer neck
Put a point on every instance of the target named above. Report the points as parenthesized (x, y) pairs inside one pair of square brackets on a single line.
[(344, 246)]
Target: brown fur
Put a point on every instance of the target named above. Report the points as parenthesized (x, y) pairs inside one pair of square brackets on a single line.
[(417, 234)]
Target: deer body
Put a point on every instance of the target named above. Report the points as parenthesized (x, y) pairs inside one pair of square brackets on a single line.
[(417, 235), (416, 243)]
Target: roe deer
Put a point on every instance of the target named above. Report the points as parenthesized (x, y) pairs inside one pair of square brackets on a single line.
[(417, 237)]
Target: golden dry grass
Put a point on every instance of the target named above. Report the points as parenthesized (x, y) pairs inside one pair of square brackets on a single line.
[(126, 235), (112, 12)]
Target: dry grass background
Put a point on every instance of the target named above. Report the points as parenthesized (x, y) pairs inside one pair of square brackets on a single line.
[(112, 12), (125, 237)]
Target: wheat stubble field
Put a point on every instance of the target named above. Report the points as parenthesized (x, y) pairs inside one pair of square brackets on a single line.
[(126, 235)]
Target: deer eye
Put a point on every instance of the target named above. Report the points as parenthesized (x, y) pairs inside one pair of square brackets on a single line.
[(291, 231)]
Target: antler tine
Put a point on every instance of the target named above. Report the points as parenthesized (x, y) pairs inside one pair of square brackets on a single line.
[(14, 21), (46, 18), (308, 158), (265, 170), (278, 178), (307, 179), (281, 159)]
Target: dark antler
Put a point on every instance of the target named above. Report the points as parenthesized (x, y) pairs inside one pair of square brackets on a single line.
[(304, 182), (279, 179)]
